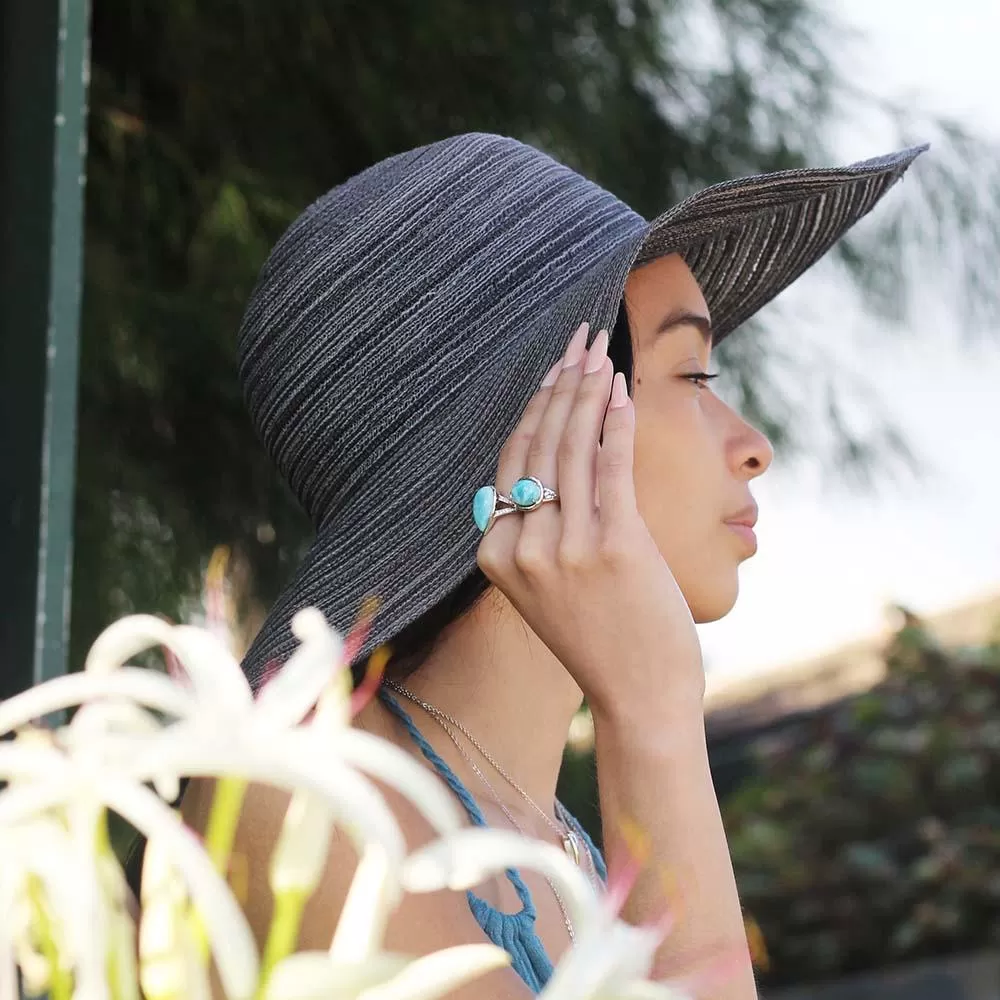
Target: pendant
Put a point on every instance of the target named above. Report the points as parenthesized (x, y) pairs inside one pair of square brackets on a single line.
[(571, 845)]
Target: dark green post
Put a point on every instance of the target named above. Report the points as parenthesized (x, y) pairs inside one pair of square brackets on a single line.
[(44, 70)]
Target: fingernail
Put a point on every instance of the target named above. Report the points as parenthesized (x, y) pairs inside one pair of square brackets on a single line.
[(619, 391), (577, 346), (553, 374), (597, 353)]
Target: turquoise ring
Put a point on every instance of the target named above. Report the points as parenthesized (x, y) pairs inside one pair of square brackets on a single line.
[(528, 493), (488, 504)]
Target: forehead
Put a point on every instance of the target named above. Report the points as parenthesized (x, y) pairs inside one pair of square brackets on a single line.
[(666, 283), (663, 289)]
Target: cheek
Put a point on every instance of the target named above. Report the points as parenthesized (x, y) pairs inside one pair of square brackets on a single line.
[(673, 465)]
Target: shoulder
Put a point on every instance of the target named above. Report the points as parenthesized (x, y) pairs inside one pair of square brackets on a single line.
[(422, 923)]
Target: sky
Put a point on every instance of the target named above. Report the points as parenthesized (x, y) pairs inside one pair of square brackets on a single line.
[(830, 561)]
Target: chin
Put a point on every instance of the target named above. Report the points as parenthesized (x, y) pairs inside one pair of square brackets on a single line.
[(709, 604)]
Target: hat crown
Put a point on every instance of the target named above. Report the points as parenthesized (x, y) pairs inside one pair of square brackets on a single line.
[(421, 270)]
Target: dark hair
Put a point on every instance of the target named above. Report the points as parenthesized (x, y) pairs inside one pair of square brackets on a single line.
[(414, 644)]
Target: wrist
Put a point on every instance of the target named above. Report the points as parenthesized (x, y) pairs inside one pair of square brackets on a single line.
[(677, 713)]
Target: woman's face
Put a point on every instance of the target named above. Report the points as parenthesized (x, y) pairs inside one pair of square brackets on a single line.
[(694, 455)]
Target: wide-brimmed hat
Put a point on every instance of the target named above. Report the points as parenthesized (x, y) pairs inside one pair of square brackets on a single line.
[(403, 321)]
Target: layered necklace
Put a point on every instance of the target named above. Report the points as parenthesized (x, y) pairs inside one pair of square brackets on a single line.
[(566, 828)]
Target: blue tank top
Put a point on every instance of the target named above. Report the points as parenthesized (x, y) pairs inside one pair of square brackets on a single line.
[(514, 932)]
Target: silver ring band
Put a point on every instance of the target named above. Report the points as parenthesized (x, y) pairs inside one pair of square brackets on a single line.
[(527, 494)]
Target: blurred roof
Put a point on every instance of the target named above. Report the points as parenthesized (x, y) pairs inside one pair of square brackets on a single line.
[(733, 704)]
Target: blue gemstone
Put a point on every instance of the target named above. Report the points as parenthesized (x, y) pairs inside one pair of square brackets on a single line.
[(526, 493), (483, 505)]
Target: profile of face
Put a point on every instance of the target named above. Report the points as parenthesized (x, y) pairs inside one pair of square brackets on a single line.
[(694, 455)]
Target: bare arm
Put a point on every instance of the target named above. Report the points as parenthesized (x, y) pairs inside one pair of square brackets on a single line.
[(592, 583), (655, 774), (422, 924)]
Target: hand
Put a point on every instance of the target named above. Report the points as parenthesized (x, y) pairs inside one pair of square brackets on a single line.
[(585, 573)]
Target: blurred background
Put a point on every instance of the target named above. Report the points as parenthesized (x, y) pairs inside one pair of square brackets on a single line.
[(853, 693)]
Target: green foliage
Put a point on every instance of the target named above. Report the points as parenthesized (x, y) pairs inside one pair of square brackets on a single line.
[(213, 125), (871, 834)]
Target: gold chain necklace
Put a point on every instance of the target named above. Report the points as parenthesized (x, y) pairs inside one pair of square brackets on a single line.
[(568, 836), (510, 819)]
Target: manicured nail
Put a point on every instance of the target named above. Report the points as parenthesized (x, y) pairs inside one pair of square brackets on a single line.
[(577, 346), (553, 374), (597, 353), (619, 391)]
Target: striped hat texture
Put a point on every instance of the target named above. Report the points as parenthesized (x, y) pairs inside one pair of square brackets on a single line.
[(401, 324)]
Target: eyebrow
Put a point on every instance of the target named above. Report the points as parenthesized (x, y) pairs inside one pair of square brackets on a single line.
[(684, 317)]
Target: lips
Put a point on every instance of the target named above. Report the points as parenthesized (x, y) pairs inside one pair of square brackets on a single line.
[(747, 517), (745, 532), (742, 525)]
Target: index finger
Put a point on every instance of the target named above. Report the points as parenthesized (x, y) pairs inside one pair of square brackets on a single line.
[(514, 454)]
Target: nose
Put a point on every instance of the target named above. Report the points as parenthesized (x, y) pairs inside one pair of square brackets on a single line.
[(750, 452)]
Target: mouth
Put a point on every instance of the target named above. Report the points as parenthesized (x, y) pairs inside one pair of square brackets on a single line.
[(742, 525), (745, 532)]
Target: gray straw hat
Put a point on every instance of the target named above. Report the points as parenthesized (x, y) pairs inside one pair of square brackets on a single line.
[(401, 324)]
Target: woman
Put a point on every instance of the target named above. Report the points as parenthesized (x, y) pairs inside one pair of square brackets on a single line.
[(405, 355)]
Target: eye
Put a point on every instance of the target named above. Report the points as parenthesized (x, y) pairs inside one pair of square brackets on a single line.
[(701, 379)]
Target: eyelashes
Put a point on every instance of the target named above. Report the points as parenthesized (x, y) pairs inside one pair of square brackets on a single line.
[(701, 379)]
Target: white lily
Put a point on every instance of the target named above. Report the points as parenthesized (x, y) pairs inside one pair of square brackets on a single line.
[(171, 966), (44, 777), (220, 705), (221, 730), (315, 976), (71, 899)]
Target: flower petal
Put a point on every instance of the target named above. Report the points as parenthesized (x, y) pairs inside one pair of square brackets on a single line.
[(168, 963), (20, 802), (402, 771), (218, 679), (126, 638), (439, 973), (311, 975), (465, 858), (229, 934), (293, 691), (373, 895), (300, 854), (603, 960), (358, 807), (145, 687)]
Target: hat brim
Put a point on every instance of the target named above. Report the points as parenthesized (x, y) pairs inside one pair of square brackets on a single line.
[(749, 239)]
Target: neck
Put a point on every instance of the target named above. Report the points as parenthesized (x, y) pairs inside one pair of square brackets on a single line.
[(492, 674)]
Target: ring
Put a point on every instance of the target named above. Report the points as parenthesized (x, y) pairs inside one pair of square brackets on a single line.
[(528, 493), (488, 504)]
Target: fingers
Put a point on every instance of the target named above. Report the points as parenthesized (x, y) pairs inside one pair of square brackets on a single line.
[(559, 441), (616, 487), (578, 449), (514, 455)]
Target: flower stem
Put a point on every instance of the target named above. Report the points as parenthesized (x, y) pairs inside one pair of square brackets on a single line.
[(61, 982), (283, 934), (220, 832), (223, 818)]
